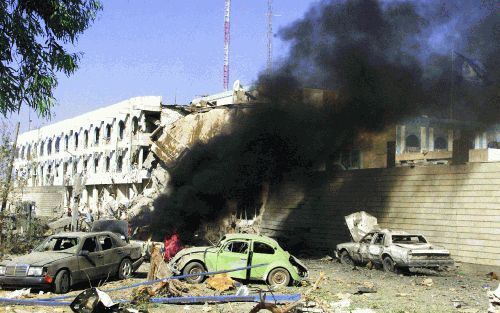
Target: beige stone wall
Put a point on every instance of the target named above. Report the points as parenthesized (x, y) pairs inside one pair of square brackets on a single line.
[(48, 199), (457, 207)]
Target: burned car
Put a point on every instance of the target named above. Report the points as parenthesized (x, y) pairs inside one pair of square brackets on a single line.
[(66, 259), (392, 249), (241, 250)]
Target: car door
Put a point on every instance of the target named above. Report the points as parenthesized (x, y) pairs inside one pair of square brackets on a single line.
[(234, 254), (376, 247), (91, 265), (111, 255), (262, 253), (362, 254)]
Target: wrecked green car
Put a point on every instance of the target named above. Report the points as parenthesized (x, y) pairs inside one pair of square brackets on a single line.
[(241, 250)]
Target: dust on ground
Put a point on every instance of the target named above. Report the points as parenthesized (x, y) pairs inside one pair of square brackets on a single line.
[(461, 290)]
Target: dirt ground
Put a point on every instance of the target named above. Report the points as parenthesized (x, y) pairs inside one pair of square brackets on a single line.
[(462, 290)]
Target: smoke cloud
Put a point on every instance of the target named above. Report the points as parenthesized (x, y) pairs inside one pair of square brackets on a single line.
[(385, 60)]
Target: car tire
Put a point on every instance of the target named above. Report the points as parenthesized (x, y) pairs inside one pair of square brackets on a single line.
[(389, 265), (346, 259), (125, 269), (194, 268), (278, 277), (62, 282)]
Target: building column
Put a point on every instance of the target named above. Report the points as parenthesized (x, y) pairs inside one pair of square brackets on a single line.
[(423, 139), (403, 138), (450, 139), (431, 139)]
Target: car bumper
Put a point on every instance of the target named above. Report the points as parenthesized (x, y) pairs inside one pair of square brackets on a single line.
[(27, 281), (430, 263)]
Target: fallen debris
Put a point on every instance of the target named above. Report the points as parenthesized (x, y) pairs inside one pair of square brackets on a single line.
[(427, 282), (93, 300), (494, 299), (221, 282), (20, 293), (167, 288), (493, 275)]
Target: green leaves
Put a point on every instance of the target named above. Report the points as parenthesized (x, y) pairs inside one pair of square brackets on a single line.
[(32, 36)]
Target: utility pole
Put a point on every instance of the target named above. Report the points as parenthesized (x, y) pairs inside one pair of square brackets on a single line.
[(227, 25), (9, 170)]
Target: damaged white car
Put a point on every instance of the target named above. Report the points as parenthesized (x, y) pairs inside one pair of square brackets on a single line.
[(392, 249)]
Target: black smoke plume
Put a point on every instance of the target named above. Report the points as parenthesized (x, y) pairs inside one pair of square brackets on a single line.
[(385, 60)]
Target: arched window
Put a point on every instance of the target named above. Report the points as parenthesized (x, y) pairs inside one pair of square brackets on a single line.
[(57, 144), (75, 166), (28, 153), (96, 136), (56, 170), (41, 147), (440, 144), (85, 139), (96, 165), (412, 143), (22, 152), (49, 147), (121, 130), (76, 141), (135, 125), (108, 164), (119, 163), (108, 132), (66, 143), (85, 165)]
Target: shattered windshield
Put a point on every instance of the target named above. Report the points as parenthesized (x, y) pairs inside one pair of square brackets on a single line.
[(408, 239), (63, 244)]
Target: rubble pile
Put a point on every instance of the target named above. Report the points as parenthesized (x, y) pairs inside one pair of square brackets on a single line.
[(168, 288)]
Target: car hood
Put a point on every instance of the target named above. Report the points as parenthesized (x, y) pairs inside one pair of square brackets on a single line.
[(361, 223), (39, 258)]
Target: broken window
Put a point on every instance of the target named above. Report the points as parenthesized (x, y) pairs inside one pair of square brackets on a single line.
[(119, 163), (135, 125), (90, 245), (410, 239), (96, 136), (85, 164), (351, 159), (121, 130), (85, 139), (41, 148), (58, 142), (379, 240), (105, 242), (108, 132), (260, 247), (412, 144), (28, 152), (96, 165), (237, 247), (367, 238), (108, 163), (67, 244), (76, 141), (440, 144), (49, 147), (66, 143)]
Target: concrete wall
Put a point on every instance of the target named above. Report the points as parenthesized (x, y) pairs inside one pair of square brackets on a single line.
[(454, 206), (48, 199)]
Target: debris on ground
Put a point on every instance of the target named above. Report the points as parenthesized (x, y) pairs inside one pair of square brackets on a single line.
[(242, 291), (327, 258), (20, 293), (493, 275), (93, 300), (494, 299), (221, 282), (167, 288), (262, 305), (427, 282)]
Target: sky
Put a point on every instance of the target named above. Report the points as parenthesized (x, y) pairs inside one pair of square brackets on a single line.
[(170, 48)]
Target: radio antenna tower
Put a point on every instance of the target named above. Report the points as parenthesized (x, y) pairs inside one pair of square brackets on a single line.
[(269, 36), (227, 11)]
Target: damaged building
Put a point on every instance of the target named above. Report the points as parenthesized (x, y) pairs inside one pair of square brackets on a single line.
[(106, 151)]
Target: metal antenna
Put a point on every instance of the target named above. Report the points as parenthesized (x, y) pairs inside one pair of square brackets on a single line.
[(227, 11), (269, 36)]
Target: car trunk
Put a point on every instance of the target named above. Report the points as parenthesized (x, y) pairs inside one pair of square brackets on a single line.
[(360, 223)]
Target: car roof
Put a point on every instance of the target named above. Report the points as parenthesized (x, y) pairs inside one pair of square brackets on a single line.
[(397, 232), (82, 234), (252, 237)]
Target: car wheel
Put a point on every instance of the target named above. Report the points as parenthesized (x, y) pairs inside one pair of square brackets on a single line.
[(194, 268), (125, 269), (278, 277), (62, 282), (346, 259), (388, 264)]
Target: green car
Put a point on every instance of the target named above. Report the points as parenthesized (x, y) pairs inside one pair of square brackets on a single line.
[(241, 250)]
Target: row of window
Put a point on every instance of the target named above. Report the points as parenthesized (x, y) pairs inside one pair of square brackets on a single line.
[(413, 143), (47, 147)]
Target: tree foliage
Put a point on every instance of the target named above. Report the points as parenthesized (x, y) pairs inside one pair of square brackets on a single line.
[(33, 36)]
